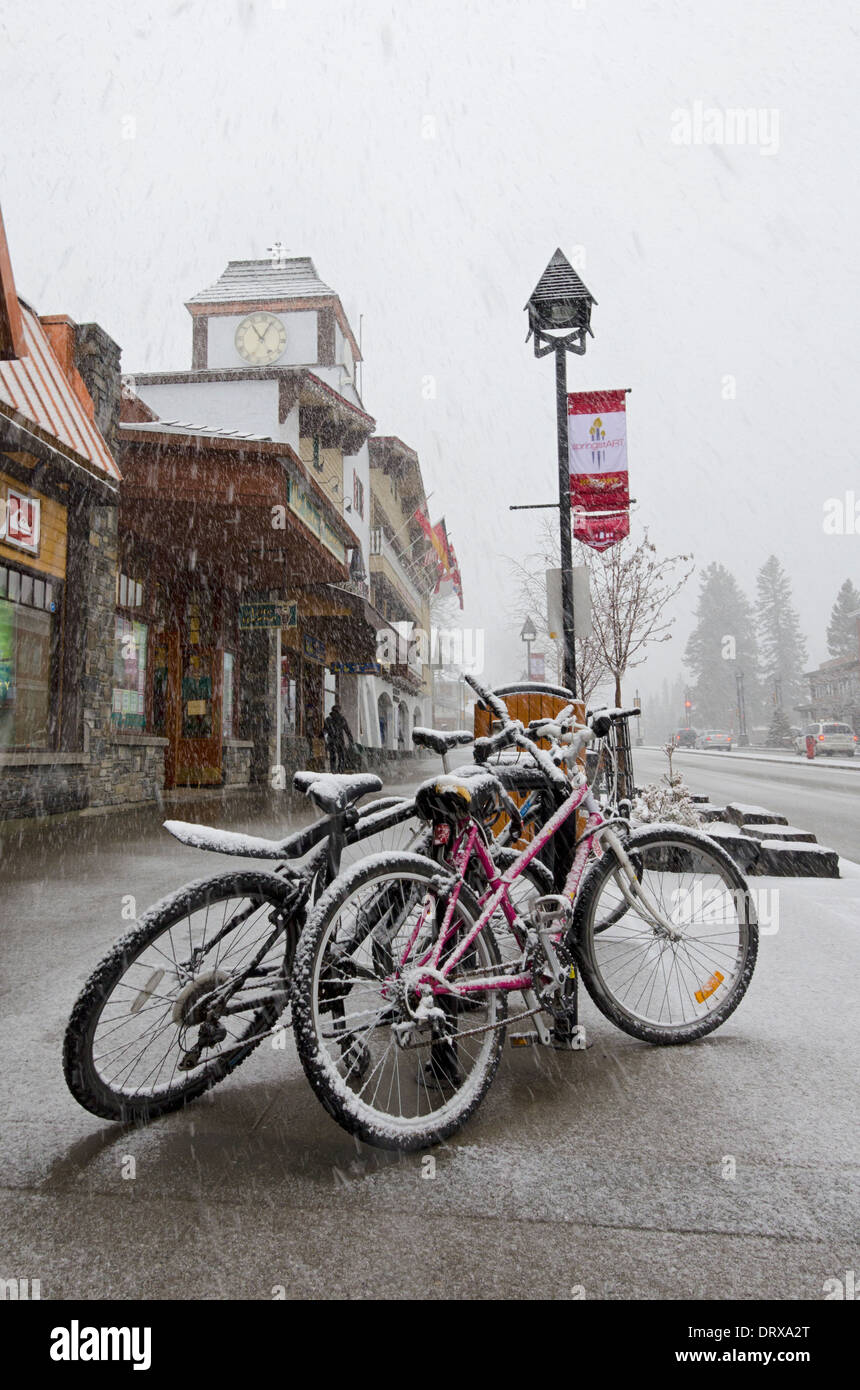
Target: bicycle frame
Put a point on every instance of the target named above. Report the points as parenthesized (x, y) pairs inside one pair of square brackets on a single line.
[(469, 842)]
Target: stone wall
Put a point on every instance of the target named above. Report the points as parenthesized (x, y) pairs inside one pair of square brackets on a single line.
[(236, 755), (42, 784), (132, 770)]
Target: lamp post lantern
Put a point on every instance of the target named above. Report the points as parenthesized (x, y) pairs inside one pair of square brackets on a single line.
[(559, 313), (528, 635)]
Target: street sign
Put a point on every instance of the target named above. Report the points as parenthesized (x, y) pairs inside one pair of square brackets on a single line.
[(355, 668), (581, 603), (313, 648), (254, 616)]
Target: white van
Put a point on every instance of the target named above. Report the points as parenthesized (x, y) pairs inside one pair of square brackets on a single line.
[(831, 738)]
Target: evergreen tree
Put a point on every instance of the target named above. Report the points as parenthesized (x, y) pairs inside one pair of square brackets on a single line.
[(842, 628), (722, 643), (782, 646), (779, 733)]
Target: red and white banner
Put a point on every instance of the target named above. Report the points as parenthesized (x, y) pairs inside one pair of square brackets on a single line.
[(600, 532), (597, 444)]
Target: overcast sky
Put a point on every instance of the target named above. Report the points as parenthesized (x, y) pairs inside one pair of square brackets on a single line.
[(430, 158)]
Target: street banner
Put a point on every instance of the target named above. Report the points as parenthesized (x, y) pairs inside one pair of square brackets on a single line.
[(600, 531), (597, 446), (537, 666)]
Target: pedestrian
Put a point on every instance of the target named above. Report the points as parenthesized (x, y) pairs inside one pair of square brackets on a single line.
[(338, 738)]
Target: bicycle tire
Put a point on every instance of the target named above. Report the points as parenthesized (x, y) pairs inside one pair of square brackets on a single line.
[(83, 1079), (353, 1114), (587, 941)]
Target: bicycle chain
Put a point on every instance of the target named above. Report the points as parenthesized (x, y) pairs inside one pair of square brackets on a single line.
[(473, 1032)]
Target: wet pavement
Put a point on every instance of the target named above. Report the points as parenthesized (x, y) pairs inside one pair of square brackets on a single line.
[(727, 1169)]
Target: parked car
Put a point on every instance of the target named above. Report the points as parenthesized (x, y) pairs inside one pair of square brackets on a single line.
[(685, 738), (836, 740), (714, 738)]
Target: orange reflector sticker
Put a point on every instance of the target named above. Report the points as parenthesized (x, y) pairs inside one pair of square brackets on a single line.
[(713, 983)]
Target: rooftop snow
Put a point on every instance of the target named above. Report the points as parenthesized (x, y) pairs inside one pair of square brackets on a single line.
[(295, 278), (184, 427)]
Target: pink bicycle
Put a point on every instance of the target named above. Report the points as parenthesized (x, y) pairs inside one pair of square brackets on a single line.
[(404, 972)]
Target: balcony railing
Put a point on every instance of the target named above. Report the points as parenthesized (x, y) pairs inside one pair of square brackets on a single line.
[(380, 545)]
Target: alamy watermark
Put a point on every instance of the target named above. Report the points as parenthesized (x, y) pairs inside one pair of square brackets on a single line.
[(730, 125), (403, 644)]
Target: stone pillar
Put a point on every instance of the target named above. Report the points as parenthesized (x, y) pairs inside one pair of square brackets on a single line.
[(89, 632), (97, 358)]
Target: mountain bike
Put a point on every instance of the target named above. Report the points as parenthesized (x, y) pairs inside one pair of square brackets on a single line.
[(400, 992), (203, 977)]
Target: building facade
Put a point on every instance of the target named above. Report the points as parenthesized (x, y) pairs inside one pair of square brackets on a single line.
[(275, 359), (59, 481), (194, 565)]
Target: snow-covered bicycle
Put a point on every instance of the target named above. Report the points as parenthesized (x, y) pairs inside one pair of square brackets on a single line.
[(400, 990), (204, 975)]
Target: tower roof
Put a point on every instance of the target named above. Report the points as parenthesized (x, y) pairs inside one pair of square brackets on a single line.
[(292, 278)]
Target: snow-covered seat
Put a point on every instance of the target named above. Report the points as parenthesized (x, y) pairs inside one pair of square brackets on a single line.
[(441, 741), (333, 791)]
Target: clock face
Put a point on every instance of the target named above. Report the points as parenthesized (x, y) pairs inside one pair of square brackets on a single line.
[(261, 339)]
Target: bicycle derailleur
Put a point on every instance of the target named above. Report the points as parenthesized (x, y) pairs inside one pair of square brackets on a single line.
[(554, 972)]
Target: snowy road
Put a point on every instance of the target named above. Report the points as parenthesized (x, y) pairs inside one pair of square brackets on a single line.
[(820, 795), (600, 1172)]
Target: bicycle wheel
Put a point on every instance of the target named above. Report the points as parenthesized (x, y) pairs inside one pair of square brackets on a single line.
[(661, 987), (136, 1045), (394, 1079)]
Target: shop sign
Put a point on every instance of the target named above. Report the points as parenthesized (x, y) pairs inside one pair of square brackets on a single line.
[(20, 521), (313, 648), (355, 668), (253, 616)]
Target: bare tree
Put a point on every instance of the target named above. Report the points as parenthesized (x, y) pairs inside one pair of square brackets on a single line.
[(631, 589)]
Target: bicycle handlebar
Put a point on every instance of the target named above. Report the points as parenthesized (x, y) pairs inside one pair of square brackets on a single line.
[(498, 707), (494, 743)]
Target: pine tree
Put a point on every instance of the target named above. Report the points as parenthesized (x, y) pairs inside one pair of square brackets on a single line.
[(842, 628), (779, 733), (722, 643), (782, 646)]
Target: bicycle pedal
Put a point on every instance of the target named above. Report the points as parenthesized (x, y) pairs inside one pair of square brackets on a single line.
[(524, 1039)]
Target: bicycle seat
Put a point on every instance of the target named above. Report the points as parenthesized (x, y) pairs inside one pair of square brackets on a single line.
[(477, 793), (334, 791), (224, 841), (441, 741)]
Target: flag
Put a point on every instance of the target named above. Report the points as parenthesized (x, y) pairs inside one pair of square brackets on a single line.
[(597, 447)]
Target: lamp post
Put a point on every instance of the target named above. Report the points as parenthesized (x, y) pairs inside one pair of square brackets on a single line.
[(560, 318), (743, 737), (528, 635)]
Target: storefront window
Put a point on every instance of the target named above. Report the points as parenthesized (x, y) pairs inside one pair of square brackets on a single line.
[(227, 696), (289, 695), (129, 674), (27, 608), (329, 692)]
